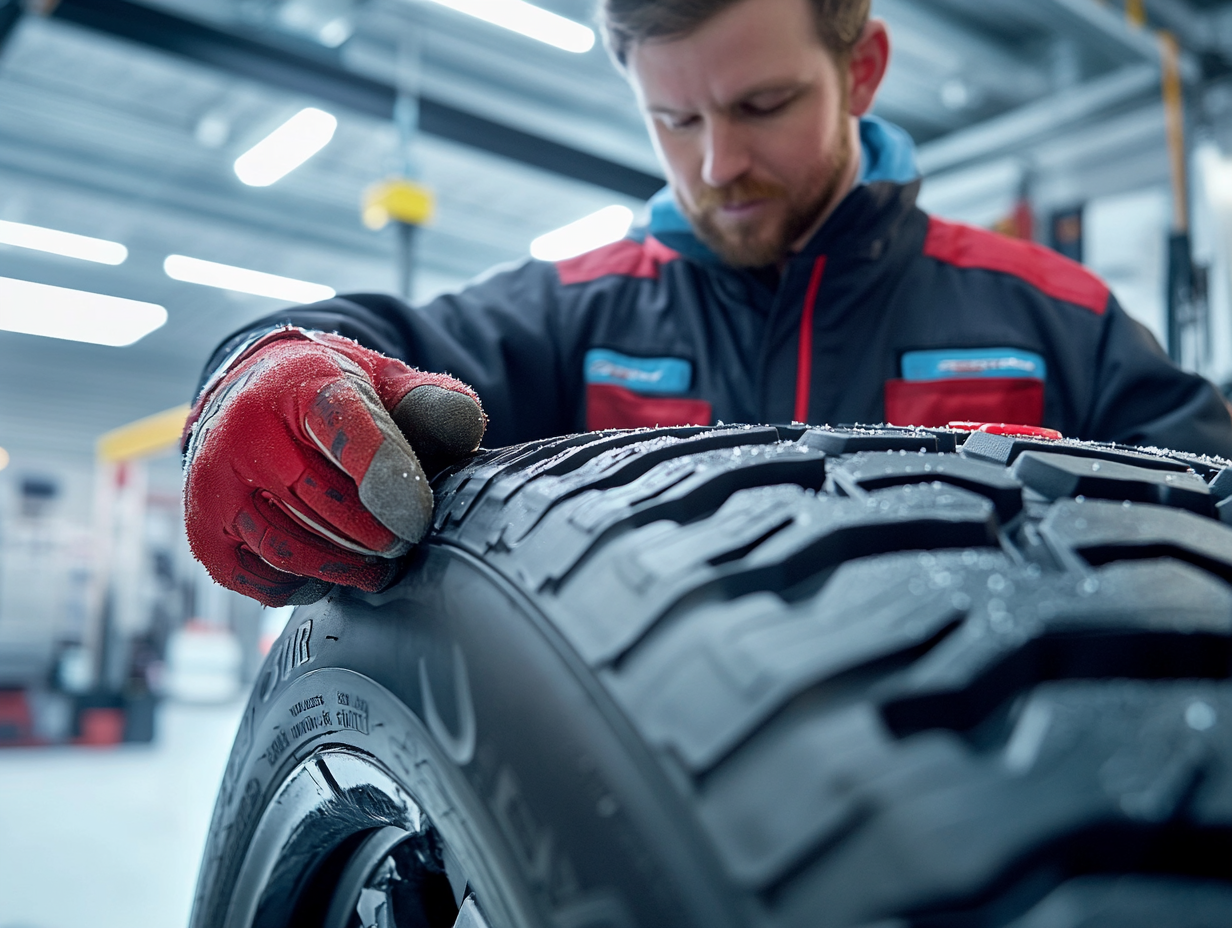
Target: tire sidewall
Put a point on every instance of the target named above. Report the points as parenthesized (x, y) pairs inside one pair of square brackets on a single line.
[(449, 683)]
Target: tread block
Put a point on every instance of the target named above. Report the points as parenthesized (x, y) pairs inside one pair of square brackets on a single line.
[(490, 514), (680, 490), (612, 468), (1206, 465), (877, 470), (509, 469), (710, 681), (790, 432), (1102, 532), (457, 490), (1221, 485), (575, 455), (764, 538), (1092, 772), (836, 441), (1057, 475), (948, 440), (1005, 449), (1151, 620), (805, 790)]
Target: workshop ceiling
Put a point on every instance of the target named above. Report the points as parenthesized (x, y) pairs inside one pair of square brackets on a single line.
[(117, 139)]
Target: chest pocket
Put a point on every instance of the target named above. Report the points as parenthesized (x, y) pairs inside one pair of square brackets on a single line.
[(626, 392), (967, 384)]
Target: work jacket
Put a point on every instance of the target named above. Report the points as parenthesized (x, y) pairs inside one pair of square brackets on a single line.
[(887, 315)]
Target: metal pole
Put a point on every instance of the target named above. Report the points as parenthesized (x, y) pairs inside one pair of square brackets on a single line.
[(1188, 327), (406, 259), (406, 118), (1174, 121)]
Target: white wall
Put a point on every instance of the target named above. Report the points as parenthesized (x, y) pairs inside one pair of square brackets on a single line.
[(1125, 241), (1212, 237)]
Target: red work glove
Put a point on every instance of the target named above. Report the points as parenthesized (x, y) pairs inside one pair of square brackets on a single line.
[(299, 468)]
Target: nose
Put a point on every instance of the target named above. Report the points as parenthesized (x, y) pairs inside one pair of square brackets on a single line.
[(727, 153)]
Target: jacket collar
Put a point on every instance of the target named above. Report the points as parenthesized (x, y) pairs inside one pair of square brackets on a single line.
[(863, 222)]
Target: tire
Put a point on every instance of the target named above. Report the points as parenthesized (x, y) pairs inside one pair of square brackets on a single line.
[(757, 676)]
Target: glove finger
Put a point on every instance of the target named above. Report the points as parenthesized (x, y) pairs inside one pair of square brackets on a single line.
[(327, 502), (271, 587), (348, 424), (281, 542), (442, 424)]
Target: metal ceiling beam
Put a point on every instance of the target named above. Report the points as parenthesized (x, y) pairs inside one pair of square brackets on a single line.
[(323, 76), (1106, 21), (10, 16), (1036, 121), (1194, 29), (946, 45)]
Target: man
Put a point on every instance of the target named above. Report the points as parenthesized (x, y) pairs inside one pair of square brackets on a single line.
[(787, 275)]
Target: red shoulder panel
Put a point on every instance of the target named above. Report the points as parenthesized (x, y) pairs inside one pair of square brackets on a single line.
[(1057, 276), (626, 258)]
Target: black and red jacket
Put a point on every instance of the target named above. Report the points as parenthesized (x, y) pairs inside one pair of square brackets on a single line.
[(888, 314)]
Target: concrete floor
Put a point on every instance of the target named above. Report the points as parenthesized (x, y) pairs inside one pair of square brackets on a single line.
[(96, 838)]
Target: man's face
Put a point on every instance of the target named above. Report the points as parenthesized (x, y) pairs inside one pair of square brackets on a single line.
[(751, 117)]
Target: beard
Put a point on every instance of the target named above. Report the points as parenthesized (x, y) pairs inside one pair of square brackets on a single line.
[(757, 243)]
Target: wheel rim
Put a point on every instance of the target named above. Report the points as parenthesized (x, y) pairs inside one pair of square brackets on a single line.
[(343, 845), (403, 879)]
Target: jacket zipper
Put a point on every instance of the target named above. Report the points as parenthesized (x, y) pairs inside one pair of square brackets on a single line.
[(804, 363)]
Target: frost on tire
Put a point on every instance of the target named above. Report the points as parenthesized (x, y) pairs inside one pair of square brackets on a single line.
[(760, 676)]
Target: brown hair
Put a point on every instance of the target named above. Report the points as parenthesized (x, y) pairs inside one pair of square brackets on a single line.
[(626, 23)]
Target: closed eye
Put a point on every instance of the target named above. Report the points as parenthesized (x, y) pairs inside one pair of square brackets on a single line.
[(677, 121), (766, 105)]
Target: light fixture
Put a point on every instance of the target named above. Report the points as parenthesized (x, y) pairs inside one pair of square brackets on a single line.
[(955, 94), (4, 459), (286, 148), (62, 243), (76, 315), (243, 280), (335, 32), (529, 20), (608, 225)]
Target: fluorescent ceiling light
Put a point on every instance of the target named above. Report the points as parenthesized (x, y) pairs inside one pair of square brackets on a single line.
[(62, 243), (286, 148), (608, 225), (335, 32), (76, 315), (528, 20), (227, 277)]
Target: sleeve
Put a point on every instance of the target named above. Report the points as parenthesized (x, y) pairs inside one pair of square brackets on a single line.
[(1142, 398), (507, 335)]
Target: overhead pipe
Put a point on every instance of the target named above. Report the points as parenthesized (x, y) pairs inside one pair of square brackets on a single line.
[(1036, 121), (1104, 20)]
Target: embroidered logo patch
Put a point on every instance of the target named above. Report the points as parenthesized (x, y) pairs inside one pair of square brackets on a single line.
[(947, 363), (641, 375)]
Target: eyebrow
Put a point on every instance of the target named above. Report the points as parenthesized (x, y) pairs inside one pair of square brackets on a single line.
[(774, 87)]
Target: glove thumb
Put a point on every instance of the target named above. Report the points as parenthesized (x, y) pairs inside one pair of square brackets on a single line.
[(442, 425)]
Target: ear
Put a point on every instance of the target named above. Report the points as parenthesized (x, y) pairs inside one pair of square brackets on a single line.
[(869, 59)]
